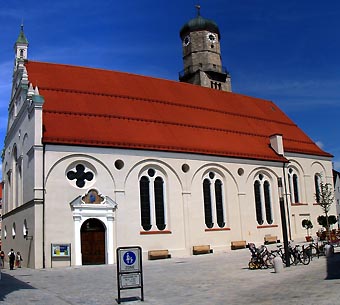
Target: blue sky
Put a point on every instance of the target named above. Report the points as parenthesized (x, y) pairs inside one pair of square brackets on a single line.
[(283, 51)]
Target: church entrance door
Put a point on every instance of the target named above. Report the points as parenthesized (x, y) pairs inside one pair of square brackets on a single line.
[(93, 242)]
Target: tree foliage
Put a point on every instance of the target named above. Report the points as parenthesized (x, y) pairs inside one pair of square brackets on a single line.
[(307, 224), (325, 198), (322, 221)]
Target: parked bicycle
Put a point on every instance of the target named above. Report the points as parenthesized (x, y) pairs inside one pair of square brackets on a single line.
[(299, 256), (260, 257), (279, 253), (314, 249)]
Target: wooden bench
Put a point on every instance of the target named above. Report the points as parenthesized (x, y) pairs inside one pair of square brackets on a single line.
[(238, 244), (202, 249), (269, 239), (158, 254)]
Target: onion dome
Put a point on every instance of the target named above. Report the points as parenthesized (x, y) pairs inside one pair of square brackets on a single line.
[(199, 24)]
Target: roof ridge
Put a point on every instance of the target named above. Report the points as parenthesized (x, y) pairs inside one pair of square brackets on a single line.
[(167, 103)]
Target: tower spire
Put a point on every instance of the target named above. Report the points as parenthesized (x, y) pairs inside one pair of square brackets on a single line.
[(20, 46), (198, 7)]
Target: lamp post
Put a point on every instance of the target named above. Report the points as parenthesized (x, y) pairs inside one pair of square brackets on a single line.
[(283, 221)]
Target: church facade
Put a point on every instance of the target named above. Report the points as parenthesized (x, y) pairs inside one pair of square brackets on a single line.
[(92, 162)]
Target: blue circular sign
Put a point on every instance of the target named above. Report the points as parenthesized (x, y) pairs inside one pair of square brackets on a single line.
[(129, 258)]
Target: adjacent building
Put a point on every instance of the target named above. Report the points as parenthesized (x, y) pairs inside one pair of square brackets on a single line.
[(336, 184), (97, 159), (0, 212)]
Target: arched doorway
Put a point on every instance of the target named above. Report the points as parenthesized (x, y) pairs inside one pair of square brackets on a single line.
[(93, 242)]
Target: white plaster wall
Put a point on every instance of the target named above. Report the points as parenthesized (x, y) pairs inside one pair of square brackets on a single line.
[(183, 197)]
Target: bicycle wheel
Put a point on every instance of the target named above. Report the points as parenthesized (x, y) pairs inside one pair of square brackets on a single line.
[(304, 258), (252, 265), (269, 260), (291, 258), (312, 251)]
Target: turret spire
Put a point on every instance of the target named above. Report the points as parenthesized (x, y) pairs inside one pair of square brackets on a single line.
[(198, 7), (20, 47)]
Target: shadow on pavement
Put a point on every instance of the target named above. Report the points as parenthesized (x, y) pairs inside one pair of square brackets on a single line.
[(9, 284), (333, 267)]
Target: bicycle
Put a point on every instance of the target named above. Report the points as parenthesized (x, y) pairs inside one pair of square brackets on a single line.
[(259, 257), (314, 250), (279, 253), (300, 256)]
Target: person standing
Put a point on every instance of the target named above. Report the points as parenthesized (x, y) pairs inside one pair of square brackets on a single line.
[(11, 256), (18, 260), (2, 257)]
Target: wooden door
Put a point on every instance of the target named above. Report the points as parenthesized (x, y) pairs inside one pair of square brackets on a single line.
[(93, 242)]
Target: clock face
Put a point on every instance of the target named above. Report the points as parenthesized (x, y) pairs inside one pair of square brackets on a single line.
[(212, 37), (186, 40)]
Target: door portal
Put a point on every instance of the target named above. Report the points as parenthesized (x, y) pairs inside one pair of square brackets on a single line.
[(93, 242)]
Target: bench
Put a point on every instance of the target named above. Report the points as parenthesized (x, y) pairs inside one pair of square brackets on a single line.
[(238, 244), (269, 239), (158, 254), (202, 249)]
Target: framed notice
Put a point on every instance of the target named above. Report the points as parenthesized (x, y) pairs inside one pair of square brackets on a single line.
[(61, 250)]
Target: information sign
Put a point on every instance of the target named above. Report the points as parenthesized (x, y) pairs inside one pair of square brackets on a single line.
[(129, 269), (61, 250)]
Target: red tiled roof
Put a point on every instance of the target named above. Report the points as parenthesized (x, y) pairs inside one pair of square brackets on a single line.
[(93, 107)]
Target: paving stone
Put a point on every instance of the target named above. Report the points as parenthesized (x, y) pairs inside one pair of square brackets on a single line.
[(219, 278)]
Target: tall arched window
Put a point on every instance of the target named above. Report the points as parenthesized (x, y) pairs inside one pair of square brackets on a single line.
[(152, 200), (293, 181), (317, 180), (263, 201), (14, 181), (213, 201), (145, 203)]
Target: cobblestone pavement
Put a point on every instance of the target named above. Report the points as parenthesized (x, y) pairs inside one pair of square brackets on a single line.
[(219, 278)]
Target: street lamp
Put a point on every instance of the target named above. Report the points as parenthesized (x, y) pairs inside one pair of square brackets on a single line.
[(283, 221)]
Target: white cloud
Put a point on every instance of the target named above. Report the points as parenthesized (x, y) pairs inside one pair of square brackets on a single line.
[(320, 144)]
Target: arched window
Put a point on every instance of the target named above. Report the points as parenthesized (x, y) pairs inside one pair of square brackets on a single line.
[(293, 181), (207, 204), (145, 203), (263, 201), (317, 181), (213, 201), (258, 203), (267, 202), (152, 200)]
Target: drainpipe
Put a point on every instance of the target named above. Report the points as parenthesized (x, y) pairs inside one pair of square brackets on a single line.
[(286, 195), (44, 258)]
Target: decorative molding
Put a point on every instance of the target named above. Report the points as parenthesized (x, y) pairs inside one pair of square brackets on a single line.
[(267, 226), (217, 229), (155, 232)]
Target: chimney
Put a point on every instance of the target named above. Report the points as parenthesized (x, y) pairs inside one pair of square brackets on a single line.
[(276, 143)]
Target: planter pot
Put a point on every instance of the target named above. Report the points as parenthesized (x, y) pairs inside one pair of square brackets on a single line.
[(308, 238)]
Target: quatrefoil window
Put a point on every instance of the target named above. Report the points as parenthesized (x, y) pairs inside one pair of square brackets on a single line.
[(80, 175)]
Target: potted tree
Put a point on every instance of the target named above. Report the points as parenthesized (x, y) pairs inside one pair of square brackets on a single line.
[(307, 224), (326, 223), (325, 197)]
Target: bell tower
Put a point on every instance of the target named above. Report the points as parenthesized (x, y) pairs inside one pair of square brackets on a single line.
[(202, 54)]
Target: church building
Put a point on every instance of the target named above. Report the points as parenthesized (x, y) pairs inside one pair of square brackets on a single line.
[(97, 159)]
